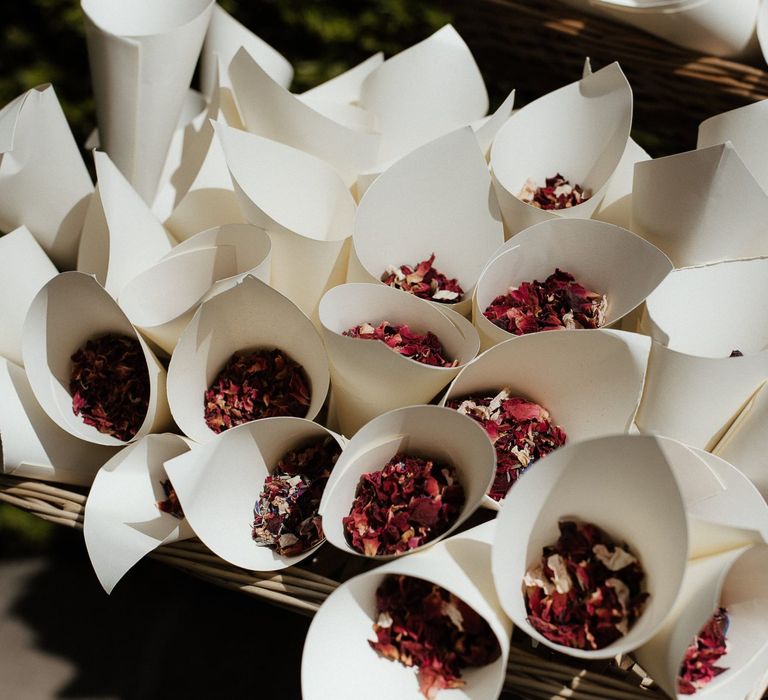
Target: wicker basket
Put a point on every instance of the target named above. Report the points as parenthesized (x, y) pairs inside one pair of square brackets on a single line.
[(536, 46), (533, 673)]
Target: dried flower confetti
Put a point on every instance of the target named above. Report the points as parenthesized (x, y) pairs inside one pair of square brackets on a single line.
[(110, 385), (259, 384), (520, 430), (424, 348), (560, 302), (286, 514), (424, 281), (586, 592), (422, 625), (409, 502), (698, 667), (171, 503), (557, 193), (736, 353)]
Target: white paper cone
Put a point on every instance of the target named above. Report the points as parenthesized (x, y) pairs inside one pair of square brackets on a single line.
[(603, 257), (338, 662), (711, 310), (616, 207), (70, 310), (32, 445), (142, 56), (427, 90), (225, 36), (487, 128), (269, 110), (622, 484), (24, 269), (424, 431), (44, 183), (696, 399), (737, 581), (346, 87), (309, 241), (368, 377), (700, 207), (162, 300), (219, 483), (590, 382), (121, 237), (249, 316), (534, 143), (450, 210), (122, 521)]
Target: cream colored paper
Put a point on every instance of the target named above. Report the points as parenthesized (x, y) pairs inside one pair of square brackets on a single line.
[(224, 37), (616, 207), (303, 204), (142, 55), (122, 521), (338, 662), (696, 399), (272, 112), (345, 88), (44, 183), (590, 382), (701, 206), (451, 210), (535, 143), (32, 445), (162, 300), (425, 431), (121, 237), (249, 316), (368, 377), (603, 257), (24, 269), (67, 312), (218, 484), (711, 310), (622, 484)]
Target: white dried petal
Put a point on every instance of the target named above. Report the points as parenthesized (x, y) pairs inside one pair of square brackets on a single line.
[(622, 592), (536, 578), (562, 579), (366, 328), (450, 609), (445, 294), (496, 401), (613, 561), (385, 620)]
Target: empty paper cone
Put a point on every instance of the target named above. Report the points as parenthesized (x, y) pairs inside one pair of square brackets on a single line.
[(338, 661), (309, 242), (70, 310), (622, 484), (142, 57), (589, 382), (734, 316), (219, 483), (604, 258), (450, 212), (44, 183), (700, 207), (123, 522), (162, 300), (32, 445), (121, 237), (249, 316), (696, 399), (24, 269), (428, 432), (344, 89), (534, 144), (368, 377)]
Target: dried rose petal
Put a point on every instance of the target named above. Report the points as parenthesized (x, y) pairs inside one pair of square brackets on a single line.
[(171, 504), (557, 303), (558, 193), (400, 338), (259, 384), (424, 281), (423, 625), (586, 592), (110, 385), (698, 667), (285, 514), (520, 430), (409, 502), (736, 353)]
